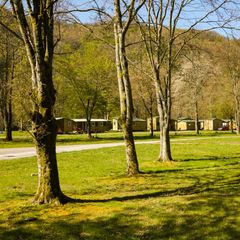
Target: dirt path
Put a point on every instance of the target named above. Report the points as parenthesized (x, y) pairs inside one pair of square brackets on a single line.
[(14, 153)]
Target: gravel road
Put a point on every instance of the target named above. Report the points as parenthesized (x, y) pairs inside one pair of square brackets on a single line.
[(14, 153)]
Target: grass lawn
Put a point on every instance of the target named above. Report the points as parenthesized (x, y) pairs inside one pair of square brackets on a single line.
[(195, 197), (24, 139)]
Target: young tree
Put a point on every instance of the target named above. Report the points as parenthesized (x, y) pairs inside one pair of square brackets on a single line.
[(89, 82), (8, 52), (144, 97), (36, 25), (195, 76)]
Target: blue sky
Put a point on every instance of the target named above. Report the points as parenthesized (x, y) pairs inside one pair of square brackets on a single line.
[(194, 11)]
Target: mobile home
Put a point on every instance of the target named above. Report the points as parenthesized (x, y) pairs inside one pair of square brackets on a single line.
[(213, 124), (185, 124), (156, 126), (138, 124), (64, 125), (97, 125)]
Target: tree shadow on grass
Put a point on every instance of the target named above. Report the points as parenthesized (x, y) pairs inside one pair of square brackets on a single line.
[(203, 217), (210, 211), (207, 158), (196, 188), (184, 169)]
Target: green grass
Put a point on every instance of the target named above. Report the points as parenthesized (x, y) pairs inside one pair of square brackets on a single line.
[(24, 139), (195, 197)]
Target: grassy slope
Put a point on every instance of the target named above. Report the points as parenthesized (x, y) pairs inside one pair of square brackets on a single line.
[(196, 197)]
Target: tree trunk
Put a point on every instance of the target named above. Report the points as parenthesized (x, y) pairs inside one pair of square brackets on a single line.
[(164, 104), (151, 125), (9, 68), (237, 121), (237, 109), (164, 110), (48, 190), (89, 129), (131, 155), (44, 132), (126, 102), (21, 124), (231, 122), (196, 118), (165, 146), (37, 32), (8, 121)]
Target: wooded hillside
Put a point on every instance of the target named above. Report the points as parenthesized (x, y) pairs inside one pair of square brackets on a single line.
[(84, 69)]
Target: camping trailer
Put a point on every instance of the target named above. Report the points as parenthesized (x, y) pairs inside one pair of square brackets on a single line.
[(97, 125), (138, 124), (64, 125)]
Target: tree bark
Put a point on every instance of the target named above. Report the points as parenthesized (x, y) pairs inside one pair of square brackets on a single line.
[(10, 68), (151, 125), (39, 43), (237, 116), (231, 124), (131, 155), (89, 129), (165, 149), (125, 92), (48, 190), (7, 61), (196, 118), (126, 106), (149, 108), (44, 132), (8, 120), (237, 103), (165, 146), (164, 104)]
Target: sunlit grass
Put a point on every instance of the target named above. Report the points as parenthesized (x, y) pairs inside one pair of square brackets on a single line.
[(195, 197), (24, 139)]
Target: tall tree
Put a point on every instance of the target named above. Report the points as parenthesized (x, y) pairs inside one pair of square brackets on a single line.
[(121, 13), (164, 43), (124, 14), (36, 24)]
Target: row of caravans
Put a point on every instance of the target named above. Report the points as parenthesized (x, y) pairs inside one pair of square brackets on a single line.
[(207, 124), (65, 125), (185, 124)]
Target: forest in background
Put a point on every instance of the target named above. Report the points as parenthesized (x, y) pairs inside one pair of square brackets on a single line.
[(84, 75)]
